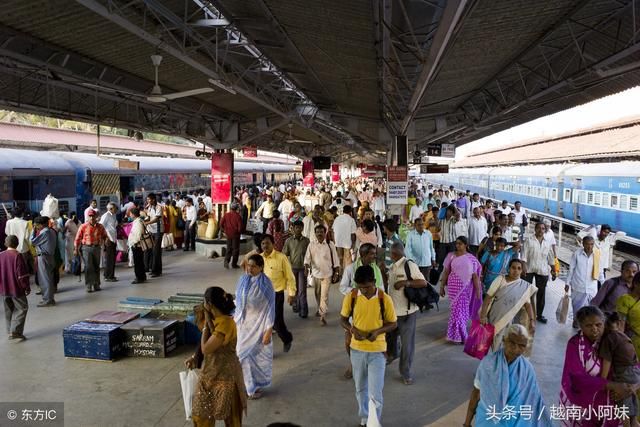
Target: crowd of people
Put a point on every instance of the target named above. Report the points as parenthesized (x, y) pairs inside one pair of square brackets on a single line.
[(480, 254)]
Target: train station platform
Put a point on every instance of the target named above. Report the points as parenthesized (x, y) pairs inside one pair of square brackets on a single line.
[(308, 386)]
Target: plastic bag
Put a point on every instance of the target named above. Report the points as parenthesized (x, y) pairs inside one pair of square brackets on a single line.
[(479, 340), (254, 225), (167, 241), (50, 207), (556, 266), (188, 382), (563, 309)]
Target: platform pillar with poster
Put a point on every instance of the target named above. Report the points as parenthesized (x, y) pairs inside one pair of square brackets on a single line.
[(335, 172), (221, 191), (308, 179), (398, 178)]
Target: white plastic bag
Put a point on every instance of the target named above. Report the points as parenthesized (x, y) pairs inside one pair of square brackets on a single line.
[(50, 207), (167, 241), (188, 381), (254, 225), (372, 420)]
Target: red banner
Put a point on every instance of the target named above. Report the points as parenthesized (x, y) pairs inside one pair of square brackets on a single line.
[(307, 173), (250, 152), (397, 173), (335, 172), (221, 175)]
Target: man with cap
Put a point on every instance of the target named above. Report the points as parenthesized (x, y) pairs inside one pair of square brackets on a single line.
[(231, 225), (89, 240)]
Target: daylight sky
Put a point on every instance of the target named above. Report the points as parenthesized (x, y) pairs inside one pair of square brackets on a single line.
[(615, 107)]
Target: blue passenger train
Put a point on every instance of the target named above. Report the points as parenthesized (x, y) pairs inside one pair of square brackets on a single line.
[(595, 193), (27, 176)]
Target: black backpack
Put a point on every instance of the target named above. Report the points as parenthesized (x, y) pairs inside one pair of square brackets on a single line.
[(425, 297)]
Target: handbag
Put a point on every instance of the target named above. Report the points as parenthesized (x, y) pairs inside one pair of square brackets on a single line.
[(479, 340), (146, 240), (334, 277), (180, 224)]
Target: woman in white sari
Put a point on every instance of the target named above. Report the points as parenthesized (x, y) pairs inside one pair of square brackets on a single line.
[(254, 317), (507, 302)]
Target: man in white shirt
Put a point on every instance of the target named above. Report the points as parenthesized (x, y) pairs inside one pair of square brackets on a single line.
[(344, 231), (520, 217), (135, 236), (416, 211), (18, 227), (505, 208), (110, 223), (321, 260), (92, 206), (285, 208), (406, 312), (207, 200), (475, 201), (584, 274), (477, 230), (605, 241), (155, 226), (540, 262), (461, 226), (549, 236), (190, 221)]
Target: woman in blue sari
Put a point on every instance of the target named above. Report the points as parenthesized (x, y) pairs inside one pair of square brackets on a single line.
[(505, 383), (495, 263), (254, 316)]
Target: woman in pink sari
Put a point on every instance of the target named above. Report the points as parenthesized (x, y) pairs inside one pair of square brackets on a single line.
[(582, 386), (462, 277)]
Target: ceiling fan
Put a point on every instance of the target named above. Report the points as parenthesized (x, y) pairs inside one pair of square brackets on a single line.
[(291, 140), (156, 94)]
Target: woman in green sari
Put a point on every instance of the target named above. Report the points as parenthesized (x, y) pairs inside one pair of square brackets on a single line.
[(508, 301), (628, 307)]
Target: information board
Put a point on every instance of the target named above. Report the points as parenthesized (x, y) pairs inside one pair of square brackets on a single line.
[(397, 185)]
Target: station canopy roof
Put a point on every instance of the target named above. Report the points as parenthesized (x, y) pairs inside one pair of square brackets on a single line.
[(330, 77)]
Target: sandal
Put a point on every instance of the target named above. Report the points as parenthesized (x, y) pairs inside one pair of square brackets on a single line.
[(255, 396)]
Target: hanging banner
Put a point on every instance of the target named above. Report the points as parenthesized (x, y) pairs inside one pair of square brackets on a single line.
[(250, 152), (335, 172), (221, 176), (307, 173), (397, 185)]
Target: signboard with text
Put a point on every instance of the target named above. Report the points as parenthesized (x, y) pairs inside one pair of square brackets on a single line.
[(221, 176), (434, 150), (250, 152), (307, 173), (335, 172), (448, 150), (433, 168), (397, 185)]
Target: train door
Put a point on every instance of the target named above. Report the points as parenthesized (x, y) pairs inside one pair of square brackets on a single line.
[(547, 193), (126, 185), (23, 193), (560, 198), (577, 199)]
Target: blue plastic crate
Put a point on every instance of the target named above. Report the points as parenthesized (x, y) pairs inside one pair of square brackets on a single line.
[(103, 341)]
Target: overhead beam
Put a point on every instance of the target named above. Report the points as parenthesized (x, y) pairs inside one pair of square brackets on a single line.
[(451, 17)]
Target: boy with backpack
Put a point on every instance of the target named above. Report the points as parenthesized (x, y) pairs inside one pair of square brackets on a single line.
[(373, 315)]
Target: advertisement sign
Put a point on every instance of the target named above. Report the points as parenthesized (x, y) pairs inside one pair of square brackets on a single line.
[(335, 172), (397, 185), (250, 152), (307, 173), (221, 175)]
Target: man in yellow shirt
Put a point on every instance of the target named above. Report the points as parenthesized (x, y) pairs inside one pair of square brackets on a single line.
[(278, 269), (372, 316)]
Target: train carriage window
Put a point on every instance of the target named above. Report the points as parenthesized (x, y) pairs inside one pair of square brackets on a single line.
[(606, 199), (624, 202), (554, 194), (580, 197), (614, 200), (589, 198), (633, 203), (597, 199), (567, 195)]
